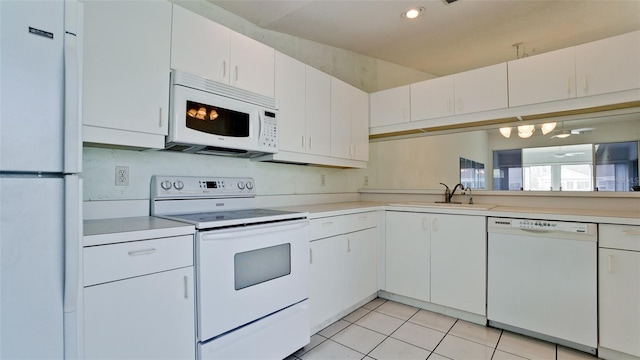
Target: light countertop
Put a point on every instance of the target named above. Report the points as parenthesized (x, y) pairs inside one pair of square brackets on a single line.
[(108, 231)]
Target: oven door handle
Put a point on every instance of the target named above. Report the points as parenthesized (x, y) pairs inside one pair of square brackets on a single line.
[(234, 233)]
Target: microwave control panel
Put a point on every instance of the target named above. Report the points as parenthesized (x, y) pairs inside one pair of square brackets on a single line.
[(269, 132)]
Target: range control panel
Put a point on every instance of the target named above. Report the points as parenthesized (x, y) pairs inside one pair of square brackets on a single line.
[(195, 186), (542, 225)]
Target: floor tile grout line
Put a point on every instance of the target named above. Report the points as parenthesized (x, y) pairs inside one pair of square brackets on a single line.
[(496, 348), (388, 336), (445, 335)]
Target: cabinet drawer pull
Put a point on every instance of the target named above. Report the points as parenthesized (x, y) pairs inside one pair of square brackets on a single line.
[(160, 117), (568, 86), (631, 232), (224, 69), (585, 83), (236, 73), (610, 264), (310, 256), (142, 252), (302, 141), (348, 245), (309, 142), (327, 223), (363, 217), (186, 287)]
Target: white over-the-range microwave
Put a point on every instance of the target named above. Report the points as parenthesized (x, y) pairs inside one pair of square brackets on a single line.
[(208, 117)]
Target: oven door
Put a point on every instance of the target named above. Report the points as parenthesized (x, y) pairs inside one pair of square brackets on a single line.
[(246, 273)]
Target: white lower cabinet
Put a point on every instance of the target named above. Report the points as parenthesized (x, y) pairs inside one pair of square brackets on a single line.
[(619, 292), (408, 254), (343, 258), (459, 262), (437, 258), (139, 300)]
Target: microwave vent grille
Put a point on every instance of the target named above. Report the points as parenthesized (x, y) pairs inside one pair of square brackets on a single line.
[(181, 78)]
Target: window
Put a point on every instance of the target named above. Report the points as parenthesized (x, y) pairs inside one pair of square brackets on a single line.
[(568, 168), (472, 174)]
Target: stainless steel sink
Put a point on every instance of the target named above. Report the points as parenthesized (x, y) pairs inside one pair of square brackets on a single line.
[(442, 205)]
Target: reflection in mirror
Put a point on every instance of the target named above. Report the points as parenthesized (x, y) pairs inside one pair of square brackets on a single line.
[(567, 168), (472, 174)]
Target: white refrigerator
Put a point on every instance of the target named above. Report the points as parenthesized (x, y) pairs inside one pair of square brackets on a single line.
[(40, 185)]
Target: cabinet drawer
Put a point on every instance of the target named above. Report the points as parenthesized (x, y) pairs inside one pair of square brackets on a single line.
[(326, 227), (126, 260), (625, 237), (361, 221)]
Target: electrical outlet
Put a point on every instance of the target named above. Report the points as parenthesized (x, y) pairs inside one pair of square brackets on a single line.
[(122, 176), (366, 180), (322, 179)]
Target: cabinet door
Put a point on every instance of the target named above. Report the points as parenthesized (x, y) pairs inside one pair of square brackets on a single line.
[(199, 46), (432, 98), (481, 89), (290, 91), (458, 262), (608, 65), (541, 78), (326, 278), (408, 254), (619, 300), (362, 271), (126, 66), (147, 317), (390, 106), (360, 125), (318, 111), (252, 65), (341, 146)]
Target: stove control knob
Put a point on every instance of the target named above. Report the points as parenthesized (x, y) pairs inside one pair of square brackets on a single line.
[(240, 185), (166, 184), (179, 185), (249, 185)]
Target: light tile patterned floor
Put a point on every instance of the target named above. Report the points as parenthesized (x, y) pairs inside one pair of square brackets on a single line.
[(384, 330)]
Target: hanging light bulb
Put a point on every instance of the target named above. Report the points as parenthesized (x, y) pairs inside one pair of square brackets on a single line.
[(505, 131), (547, 127), (525, 131)]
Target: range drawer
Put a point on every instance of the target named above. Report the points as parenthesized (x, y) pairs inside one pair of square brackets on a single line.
[(120, 261), (624, 237)]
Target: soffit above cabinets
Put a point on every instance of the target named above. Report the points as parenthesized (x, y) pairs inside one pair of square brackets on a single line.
[(445, 39)]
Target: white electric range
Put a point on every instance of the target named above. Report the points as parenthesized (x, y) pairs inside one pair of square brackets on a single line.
[(252, 266)]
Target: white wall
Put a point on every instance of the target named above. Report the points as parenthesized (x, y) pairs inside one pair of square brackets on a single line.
[(270, 178), (423, 162)]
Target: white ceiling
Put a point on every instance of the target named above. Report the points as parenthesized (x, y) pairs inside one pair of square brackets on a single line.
[(446, 39)]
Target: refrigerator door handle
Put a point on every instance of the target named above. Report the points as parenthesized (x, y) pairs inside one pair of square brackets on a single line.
[(72, 105)]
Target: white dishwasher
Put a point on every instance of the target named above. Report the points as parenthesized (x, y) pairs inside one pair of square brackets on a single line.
[(542, 280)]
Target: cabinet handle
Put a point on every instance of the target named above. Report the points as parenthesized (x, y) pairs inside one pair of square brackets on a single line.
[(236, 68), (348, 245), (425, 224), (459, 105), (585, 83), (302, 141), (610, 263), (160, 117), (568, 86), (355, 150), (404, 113), (434, 224), (327, 223), (309, 142), (142, 252), (449, 106), (631, 232), (363, 217), (186, 287), (224, 69), (310, 256)]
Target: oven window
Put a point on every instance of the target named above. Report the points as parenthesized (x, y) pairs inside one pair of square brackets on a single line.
[(257, 266), (216, 120)]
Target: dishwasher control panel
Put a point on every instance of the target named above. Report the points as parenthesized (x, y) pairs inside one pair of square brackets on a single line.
[(542, 225)]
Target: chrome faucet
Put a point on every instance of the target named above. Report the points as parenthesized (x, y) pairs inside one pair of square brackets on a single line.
[(448, 194)]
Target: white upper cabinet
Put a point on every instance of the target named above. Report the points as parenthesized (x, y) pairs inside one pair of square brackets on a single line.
[(608, 65), (290, 87), (349, 121), (318, 111), (199, 46), (390, 106), (432, 98), (481, 89), (126, 72), (204, 48), (304, 98), (468, 92), (542, 78)]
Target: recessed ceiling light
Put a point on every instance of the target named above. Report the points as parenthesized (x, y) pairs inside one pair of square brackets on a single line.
[(412, 13)]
